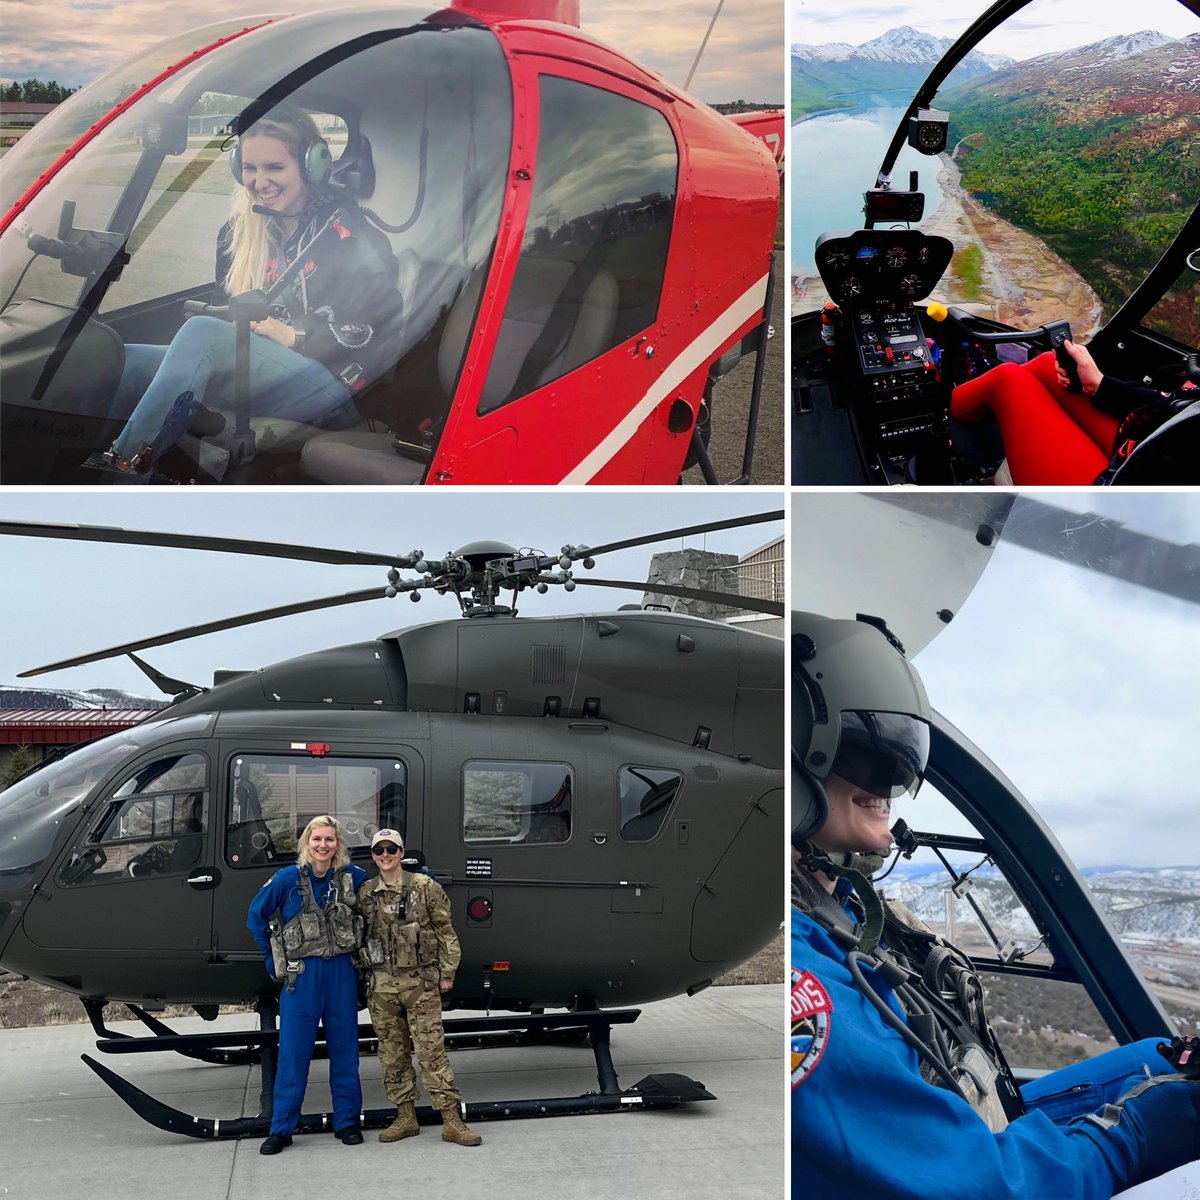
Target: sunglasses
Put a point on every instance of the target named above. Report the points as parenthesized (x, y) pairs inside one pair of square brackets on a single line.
[(384, 848)]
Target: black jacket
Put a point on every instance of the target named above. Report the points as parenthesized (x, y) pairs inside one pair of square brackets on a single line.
[(344, 300)]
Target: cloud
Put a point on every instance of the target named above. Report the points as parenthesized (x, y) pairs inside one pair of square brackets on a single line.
[(1077, 686), (1039, 29), (78, 40)]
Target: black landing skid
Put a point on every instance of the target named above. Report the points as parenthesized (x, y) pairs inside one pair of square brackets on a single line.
[(242, 1048)]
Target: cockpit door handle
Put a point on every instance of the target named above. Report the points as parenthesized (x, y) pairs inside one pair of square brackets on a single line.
[(202, 881)]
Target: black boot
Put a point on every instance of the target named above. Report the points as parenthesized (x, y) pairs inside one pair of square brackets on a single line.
[(275, 1143)]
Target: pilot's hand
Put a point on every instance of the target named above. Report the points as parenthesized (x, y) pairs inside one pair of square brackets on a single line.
[(276, 330), (444, 985), (1089, 374)]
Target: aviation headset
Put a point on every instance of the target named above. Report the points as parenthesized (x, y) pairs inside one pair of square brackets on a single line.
[(859, 710), (316, 162)]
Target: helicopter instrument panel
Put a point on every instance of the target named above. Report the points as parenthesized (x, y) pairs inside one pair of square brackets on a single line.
[(881, 264)]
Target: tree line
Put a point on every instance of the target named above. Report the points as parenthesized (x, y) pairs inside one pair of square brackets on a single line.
[(35, 91)]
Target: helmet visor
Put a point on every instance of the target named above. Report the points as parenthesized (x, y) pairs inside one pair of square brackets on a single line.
[(884, 753)]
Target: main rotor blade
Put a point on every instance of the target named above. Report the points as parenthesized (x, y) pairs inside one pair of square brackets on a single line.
[(1106, 545), (179, 635), (1089, 540), (669, 534), (195, 541), (728, 599)]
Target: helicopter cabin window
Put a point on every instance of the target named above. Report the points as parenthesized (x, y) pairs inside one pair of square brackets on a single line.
[(517, 803), (273, 798), (152, 824), (645, 796), (595, 249)]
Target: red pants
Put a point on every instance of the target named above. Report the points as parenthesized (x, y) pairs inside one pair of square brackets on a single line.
[(1050, 435)]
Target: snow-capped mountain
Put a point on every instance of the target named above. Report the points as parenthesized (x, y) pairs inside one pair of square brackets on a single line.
[(826, 76), (1104, 52), (821, 53), (29, 697), (904, 46), (1142, 903)]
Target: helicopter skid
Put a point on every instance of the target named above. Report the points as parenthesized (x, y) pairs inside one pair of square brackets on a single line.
[(653, 1091)]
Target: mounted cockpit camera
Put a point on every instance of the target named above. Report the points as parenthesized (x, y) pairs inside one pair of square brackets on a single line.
[(928, 130)]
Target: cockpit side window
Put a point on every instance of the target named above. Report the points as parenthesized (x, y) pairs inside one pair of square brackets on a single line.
[(1041, 1019), (595, 250), (1177, 314), (645, 797), (152, 824)]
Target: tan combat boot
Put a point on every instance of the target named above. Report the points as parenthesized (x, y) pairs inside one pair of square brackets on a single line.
[(404, 1126), (454, 1129)]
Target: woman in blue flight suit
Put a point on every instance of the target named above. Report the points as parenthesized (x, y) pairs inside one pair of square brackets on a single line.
[(312, 910), (866, 1122)]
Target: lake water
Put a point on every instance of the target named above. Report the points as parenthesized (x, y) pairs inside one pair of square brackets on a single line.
[(834, 160)]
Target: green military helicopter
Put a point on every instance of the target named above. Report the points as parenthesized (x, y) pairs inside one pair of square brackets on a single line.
[(600, 794)]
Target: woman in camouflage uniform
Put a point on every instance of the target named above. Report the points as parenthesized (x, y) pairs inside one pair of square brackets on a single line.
[(411, 954)]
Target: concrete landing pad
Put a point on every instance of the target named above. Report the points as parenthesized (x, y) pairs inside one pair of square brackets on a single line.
[(64, 1134)]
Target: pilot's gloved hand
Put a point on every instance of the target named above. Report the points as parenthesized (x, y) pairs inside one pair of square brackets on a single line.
[(1152, 1129)]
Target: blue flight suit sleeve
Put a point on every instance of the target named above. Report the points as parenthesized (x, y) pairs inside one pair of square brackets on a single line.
[(271, 898), (865, 1123)]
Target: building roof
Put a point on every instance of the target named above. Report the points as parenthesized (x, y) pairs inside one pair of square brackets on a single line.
[(22, 106), (65, 726)]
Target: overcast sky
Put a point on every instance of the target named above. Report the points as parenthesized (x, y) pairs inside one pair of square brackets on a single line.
[(74, 41), (1080, 687), (1042, 27), (59, 599)]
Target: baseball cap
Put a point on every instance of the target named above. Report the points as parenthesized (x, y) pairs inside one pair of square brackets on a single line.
[(387, 835)]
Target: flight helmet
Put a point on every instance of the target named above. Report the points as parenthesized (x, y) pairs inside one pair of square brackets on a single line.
[(859, 710)]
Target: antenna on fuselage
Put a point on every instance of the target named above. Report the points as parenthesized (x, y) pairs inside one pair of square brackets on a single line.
[(699, 53)]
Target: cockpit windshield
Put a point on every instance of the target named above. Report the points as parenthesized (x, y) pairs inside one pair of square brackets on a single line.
[(417, 118), (35, 808), (1069, 159)]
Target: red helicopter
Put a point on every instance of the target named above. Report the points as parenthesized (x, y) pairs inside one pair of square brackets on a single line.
[(584, 249)]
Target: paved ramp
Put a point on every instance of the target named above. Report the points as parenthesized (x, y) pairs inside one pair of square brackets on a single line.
[(66, 1135)]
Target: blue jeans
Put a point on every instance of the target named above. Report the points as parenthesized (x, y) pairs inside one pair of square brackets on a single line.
[(172, 381), (1086, 1086)]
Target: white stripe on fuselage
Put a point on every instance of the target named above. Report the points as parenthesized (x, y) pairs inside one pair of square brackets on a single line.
[(691, 357)]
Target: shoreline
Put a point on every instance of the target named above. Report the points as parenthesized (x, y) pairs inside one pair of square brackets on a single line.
[(1026, 282)]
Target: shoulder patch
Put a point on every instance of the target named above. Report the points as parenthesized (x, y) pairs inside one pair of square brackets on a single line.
[(812, 1019)]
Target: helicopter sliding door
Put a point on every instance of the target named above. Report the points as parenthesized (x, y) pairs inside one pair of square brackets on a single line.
[(136, 881), (274, 790)]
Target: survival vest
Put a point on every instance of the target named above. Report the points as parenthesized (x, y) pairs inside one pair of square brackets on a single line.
[(316, 932), (400, 933), (941, 994), (944, 1000)]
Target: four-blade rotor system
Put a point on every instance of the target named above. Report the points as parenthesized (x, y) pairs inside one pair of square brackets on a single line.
[(477, 575)]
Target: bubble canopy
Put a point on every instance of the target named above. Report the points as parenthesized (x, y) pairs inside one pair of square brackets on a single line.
[(417, 111)]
